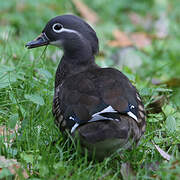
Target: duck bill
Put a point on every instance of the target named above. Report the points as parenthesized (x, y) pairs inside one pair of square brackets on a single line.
[(41, 40)]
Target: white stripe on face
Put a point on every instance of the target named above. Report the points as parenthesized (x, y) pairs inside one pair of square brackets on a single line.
[(69, 31), (59, 42)]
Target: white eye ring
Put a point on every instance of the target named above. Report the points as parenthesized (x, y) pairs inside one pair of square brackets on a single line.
[(57, 27)]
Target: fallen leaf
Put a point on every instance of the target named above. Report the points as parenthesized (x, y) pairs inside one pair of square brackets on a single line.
[(161, 25), (13, 167), (162, 152), (174, 82), (156, 105), (122, 39), (86, 12), (140, 39)]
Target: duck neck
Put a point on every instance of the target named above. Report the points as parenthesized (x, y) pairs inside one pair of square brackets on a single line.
[(77, 50), (71, 66), (78, 57)]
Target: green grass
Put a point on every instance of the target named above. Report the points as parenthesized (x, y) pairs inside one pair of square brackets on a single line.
[(26, 91)]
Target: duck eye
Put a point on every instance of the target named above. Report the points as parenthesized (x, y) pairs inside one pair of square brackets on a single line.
[(57, 27)]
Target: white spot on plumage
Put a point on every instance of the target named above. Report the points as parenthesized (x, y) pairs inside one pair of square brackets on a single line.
[(132, 115), (71, 118), (109, 109), (98, 117), (74, 127), (93, 119)]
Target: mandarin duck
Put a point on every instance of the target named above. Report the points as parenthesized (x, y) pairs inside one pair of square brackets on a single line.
[(99, 105)]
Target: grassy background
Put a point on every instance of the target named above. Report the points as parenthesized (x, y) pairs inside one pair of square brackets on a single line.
[(26, 90)]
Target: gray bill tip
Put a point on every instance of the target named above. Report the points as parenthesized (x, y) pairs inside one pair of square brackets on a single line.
[(41, 40)]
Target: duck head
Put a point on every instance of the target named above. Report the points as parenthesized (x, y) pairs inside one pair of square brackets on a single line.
[(69, 32)]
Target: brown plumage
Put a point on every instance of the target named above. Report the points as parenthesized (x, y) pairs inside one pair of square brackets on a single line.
[(99, 106)]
